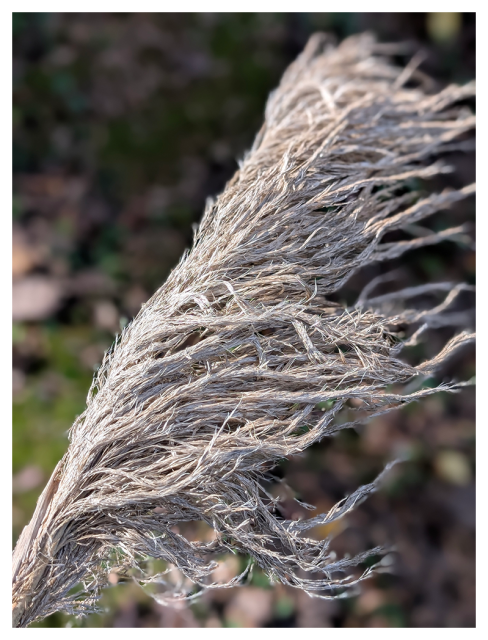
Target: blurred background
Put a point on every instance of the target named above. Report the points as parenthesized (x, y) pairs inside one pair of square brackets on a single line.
[(123, 124)]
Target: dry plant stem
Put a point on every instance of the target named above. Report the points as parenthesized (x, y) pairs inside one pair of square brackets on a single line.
[(220, 374), (28, 539)]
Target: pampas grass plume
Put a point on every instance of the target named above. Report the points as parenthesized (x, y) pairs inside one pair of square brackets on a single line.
[(220, 375)]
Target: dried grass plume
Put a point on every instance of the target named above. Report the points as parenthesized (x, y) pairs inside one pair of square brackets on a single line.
[(220, 374)]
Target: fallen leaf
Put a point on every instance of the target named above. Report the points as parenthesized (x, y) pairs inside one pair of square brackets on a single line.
[(35, 298)]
